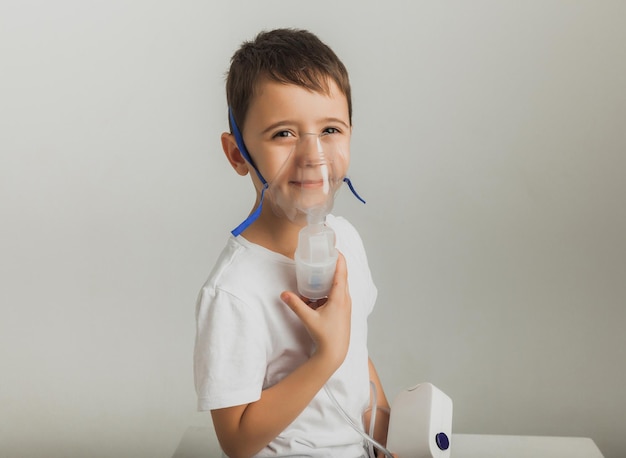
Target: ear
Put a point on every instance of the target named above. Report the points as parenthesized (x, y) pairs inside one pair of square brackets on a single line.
[(233, 154)]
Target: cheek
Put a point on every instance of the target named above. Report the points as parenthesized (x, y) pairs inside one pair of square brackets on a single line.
[(278, 166), (342, 163)]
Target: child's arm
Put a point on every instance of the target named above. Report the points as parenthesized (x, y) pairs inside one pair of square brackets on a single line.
[(244, 430)]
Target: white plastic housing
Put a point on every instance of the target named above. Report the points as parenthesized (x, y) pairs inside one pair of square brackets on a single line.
[(420, 423), (316, 258)]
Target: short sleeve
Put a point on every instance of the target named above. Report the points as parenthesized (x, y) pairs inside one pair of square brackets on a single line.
[(229, 356)]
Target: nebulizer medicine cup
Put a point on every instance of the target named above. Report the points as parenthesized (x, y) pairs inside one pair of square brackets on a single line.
[(316, 258)]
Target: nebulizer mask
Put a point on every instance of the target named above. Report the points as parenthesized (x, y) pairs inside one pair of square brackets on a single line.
[(303, 190)]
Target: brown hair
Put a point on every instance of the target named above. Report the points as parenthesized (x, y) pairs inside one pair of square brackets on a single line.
[(289, 56)]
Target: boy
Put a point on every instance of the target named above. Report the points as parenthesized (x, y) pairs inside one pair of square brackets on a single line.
[(265, 360)]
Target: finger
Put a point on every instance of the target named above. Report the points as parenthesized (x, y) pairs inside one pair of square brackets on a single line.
[(296, 304), (340, 278)]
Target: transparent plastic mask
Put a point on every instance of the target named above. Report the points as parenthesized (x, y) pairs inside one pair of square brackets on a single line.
[(324, 156), (304, 187)]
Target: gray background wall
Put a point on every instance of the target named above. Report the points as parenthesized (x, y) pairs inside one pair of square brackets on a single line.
[(490, 143)]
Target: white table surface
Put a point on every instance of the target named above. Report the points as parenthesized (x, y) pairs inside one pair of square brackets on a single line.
[(496, 446), (199, 442)]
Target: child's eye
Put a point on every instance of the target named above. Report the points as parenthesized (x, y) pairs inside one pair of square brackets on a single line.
[(283, 134), (331, 130)]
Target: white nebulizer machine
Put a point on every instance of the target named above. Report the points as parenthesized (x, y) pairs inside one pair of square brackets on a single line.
[(420, 424), (303, 190)]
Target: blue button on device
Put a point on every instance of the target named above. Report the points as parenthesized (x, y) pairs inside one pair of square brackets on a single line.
[(442, 441)]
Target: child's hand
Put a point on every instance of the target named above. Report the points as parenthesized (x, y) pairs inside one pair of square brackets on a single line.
[(328, 324)]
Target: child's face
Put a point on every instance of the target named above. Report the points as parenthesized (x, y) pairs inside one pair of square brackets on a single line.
[(277, 133)]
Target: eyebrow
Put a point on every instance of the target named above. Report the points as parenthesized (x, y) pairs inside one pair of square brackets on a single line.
[(287, 123), (337, 120)]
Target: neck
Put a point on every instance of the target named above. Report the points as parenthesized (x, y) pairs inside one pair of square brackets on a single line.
[(275, 233)]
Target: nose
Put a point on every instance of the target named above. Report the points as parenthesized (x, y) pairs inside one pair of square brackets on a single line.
[(310, 152)]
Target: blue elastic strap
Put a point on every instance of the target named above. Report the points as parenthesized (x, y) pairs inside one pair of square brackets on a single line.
[(253, 216), (242, 146), (347, 180), (244, 152)]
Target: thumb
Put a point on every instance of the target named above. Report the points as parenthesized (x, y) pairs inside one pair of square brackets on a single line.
[(340, 280)]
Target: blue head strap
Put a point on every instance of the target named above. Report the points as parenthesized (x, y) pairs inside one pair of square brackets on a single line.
[(242, 146), (246, 155)]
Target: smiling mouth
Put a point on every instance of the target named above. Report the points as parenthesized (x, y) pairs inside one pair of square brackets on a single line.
[(309, 184)]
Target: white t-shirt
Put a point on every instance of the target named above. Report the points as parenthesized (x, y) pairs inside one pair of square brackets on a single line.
[(248, 340)]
